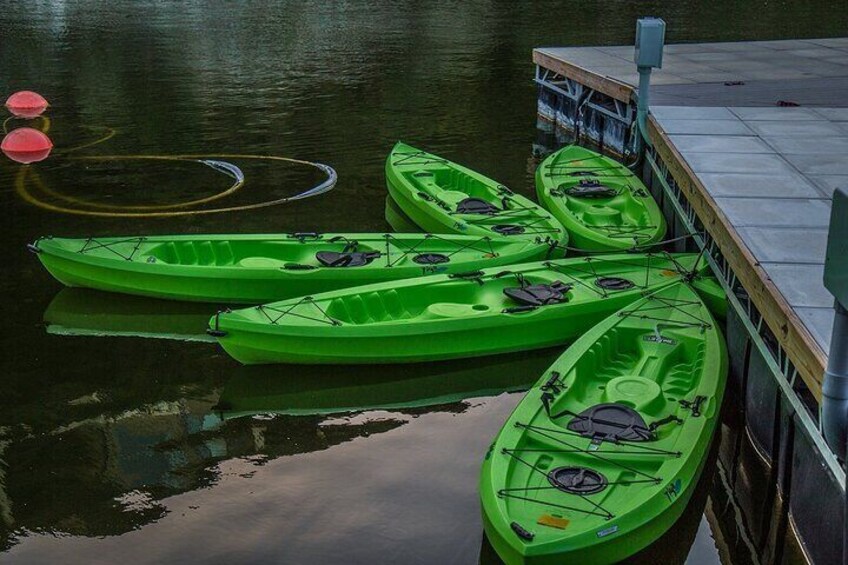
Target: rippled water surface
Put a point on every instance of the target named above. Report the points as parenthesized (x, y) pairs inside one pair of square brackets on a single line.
[(124, 435)]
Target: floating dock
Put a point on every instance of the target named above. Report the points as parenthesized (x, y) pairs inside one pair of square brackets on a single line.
[(747, 141)]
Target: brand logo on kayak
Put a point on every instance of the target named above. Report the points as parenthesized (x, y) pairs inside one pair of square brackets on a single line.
[(607, 531), (672, 490), (660, 339), (460, 226), (433, 269)]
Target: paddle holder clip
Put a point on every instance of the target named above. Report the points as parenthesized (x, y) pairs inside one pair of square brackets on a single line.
[(694, 405)]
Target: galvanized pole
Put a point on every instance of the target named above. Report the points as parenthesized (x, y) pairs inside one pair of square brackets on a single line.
[(834, 407)]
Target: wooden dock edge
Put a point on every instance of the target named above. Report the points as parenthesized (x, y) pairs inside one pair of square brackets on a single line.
[(613, 88), (800, 346)]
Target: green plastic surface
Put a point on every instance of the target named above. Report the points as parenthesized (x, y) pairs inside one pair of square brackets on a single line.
[(262, 268), (429, 189), (629, 217), (442, 317), (662, 356)]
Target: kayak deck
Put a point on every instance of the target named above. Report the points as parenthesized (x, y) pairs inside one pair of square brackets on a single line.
[(601, 203), (601, 456), (462, 315), (442, 196), (262, 268)]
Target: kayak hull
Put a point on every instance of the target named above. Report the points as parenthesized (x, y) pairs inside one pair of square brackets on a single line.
[(410, 345), (252, 269), (662, 359), (627, 218), (440, 317), (619, 549)]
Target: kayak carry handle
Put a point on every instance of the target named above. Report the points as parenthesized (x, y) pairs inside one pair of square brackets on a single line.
[(521, 532), (33, 248), (304, 235)]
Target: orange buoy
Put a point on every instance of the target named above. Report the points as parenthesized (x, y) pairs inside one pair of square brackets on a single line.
[(26, 104), (26, 145)]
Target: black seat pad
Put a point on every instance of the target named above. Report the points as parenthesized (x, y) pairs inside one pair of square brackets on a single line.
[(539, 294), (476, 206), (591, 189), (508, 229), (613, 422), (346, 259)]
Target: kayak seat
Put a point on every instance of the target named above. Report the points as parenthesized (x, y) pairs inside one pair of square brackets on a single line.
[(476, 206), (508, 229), (591, 189), (612, 422), (346, 259), (539, 294)]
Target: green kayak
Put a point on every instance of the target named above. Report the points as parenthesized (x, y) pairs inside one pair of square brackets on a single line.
[(603, 205), (443, 197), (441, 317), (602, 455), (324, 389), (263, 268)]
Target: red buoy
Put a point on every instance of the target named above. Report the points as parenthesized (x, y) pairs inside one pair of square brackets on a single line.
[(26, 145), (26, 104)]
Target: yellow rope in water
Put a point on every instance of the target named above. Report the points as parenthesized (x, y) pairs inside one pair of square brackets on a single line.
[(152, 208), (26, 171), (44, 127), (110, 133), (149, 211)]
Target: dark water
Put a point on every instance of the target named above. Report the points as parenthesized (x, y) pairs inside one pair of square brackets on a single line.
[(134, 449)]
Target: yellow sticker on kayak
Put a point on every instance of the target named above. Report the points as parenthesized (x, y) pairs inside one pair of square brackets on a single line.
[(668, 273), (553, 521)]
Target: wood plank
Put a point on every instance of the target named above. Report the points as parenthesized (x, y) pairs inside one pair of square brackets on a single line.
[(802, 349), (611, 87)]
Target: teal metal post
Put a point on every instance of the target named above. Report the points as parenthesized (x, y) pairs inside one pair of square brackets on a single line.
[(650, 39)]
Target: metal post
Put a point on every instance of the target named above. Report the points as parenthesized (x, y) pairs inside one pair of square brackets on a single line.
[(650, 39), (834, 414), (835, 385), (643, 103)]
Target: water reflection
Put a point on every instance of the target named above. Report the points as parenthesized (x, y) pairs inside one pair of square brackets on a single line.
[(331, 389), (100, 435), (86, 312), (125, 466)]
